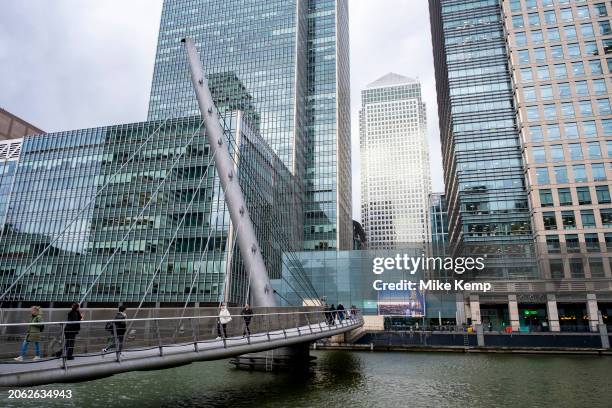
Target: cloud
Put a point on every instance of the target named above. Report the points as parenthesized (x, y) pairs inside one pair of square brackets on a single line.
[(71, 64)]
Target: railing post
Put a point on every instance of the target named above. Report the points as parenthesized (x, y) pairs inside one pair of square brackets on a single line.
[(268, 325), (297, 323), (195, 335), (116, 342), (159, 341), (308, 322), (63, 339)]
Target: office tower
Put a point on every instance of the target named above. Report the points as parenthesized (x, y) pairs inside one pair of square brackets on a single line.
[(291, 57), (438, 223), (136, 209), (561, 74), (395, 178), (481, 151), (13, 127)]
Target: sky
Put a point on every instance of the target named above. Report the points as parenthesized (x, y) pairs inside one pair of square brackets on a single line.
[(68, 64)]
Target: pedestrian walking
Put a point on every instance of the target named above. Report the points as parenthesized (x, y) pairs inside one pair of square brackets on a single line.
[(332, 311), (34, 333), (70, 331), (222, 321), (340, 312), (247, 314), (116, 327)]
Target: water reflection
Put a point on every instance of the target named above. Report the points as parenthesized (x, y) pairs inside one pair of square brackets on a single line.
[(358, 379)]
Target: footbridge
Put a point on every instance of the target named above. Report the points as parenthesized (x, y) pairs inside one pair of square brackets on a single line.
[(158, 343)]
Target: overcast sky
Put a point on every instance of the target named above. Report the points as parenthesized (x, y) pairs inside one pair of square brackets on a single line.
[(68, 64)]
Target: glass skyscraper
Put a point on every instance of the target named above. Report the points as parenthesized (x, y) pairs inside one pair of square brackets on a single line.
[(395, 175), (121, 227), (288, 60), (483, 168)]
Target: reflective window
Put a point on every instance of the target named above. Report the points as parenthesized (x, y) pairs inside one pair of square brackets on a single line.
[(535, 133), (599, 87), (587, 30), (600, 10), (556, 51), (517, 21), (603, 194), (565, 196), (604, 106), (534, 19), (604, 28), (553, 34), (582, 88), (573, 50), (566, 15), (588, 218), (589, 129), (543, 73), (537, 37), (550, 111), (550, 222), (556, 153), (590, 48), (540, 54), (546, 198), (575, 151), (554, 133), (567, 110), (533, 113), (586, 108), (594, 150), (546, 92), (579, 173), (526, 74), (561, 174), (529, 93), (539, 155), (578, 68), (550, 17), (542, 175), (569, 220), (570, 33), (584, 195), (521, 39), (595, 66), (582, 12), (560, 71), (599, 171), (571, 130), (606, 217)]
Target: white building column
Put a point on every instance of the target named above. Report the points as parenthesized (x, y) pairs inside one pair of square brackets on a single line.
[(592, 311), (552, 313), (514, 313), (475, 309)]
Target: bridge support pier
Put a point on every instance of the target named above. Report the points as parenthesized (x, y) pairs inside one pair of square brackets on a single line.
[(280, 359)]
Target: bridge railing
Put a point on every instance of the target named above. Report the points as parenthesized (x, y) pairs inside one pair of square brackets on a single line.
[(107, 337)]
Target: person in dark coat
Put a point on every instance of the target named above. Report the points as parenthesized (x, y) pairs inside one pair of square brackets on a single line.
[(72, 329), (340, 312), (332, 312), (247, 315), (118, 327)]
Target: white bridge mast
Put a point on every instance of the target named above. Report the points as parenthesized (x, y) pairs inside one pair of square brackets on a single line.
[(261, 290)]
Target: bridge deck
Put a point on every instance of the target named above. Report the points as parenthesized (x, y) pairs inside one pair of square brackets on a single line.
[(91, 366)]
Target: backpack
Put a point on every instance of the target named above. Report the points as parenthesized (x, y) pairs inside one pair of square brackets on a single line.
[(109, 326)]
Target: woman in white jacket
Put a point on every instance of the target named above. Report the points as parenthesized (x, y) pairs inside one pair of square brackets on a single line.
[(223, 320)]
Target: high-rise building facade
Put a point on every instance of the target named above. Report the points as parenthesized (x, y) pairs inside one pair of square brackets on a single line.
[(291, 58), (9, 155), (438, 222), (135, 212), (395, 174), (562, 85), (481, 151)]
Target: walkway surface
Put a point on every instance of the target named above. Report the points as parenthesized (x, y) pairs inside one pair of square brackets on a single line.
[(90, 366)]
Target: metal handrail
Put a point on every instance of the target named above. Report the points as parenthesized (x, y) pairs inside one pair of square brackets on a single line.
[(152, 318)]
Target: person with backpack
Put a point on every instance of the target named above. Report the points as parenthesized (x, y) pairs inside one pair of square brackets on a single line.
[(33, 336), (118, 326), (70, 331)]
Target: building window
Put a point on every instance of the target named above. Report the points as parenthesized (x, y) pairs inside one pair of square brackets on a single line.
[(539, 155), (543, 73), (561, 174), (588, 218), (550, 222), (554, 132), (535, 133), (533, 113), (582, 88), (556, 268), (604, 106), (608, 240), (603, 194), (523, 57), (589, 129), (595, 66), (560, 71), (553, 34), (571, 243), (586, 108), (594, 150), (591, 242), (550, 111), (564, 90), (570, 33), (575, 151), (517, 21), (582, 13), (587, 30), (552, 244), (569, 220), (606, 217), (573, 51), (534, 19), (600, 10), (546, 198), (565, 196), (579, 173), (599, 172), (542, 175), (537, 37), (578, 69), (527, 74), (609, 148), (576, 268), (521, 39), (546, 92), (599, 87), (549, 17), (556, 52), (529, 93), (567, 110), (556, 153), (584, 195), (604, 28), (597, 268)]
